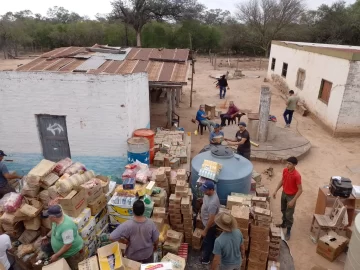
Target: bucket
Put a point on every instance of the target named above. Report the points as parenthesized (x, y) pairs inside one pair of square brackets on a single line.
[(138, 149), (150, 135)]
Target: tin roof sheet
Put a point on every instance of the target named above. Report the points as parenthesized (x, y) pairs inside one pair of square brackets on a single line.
[(162, 65)]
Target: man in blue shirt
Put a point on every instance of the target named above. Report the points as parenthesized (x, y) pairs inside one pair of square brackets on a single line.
[(202, 118), (229, 249), (5, 176), (217, 136)]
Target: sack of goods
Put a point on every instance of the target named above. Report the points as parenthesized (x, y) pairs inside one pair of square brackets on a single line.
[(340, 186)]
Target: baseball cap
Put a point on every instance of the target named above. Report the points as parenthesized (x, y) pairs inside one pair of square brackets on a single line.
[(207, 185), (54, 210), (2, 154), (242, 124), (292, 160)]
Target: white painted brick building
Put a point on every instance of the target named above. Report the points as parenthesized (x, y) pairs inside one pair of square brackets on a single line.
[(101, 112), (326, 77)]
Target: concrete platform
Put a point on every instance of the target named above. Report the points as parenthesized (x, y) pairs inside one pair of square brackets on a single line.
[(286, 143)]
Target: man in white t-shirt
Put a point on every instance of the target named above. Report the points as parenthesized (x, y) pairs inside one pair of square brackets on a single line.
[(5, 244)]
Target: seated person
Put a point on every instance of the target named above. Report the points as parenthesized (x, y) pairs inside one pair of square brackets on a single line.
[(217, 136), (230, 114), (203, 118)]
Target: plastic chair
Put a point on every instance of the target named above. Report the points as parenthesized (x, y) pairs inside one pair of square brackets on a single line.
[(236, 117), (332, 221), (201, 127)]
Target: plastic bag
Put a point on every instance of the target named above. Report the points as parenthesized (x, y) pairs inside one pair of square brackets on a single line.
[(29, 190), (129, 173), (44, 197), (11, 202), (62, 165), (53, 192), (75, 168), (25, 249), (142, 176)]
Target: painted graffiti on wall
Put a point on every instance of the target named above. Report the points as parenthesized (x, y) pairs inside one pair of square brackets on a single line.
[(55, 127)]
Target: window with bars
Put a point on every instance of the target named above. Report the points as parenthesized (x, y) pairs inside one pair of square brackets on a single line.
[(325, 91), (300, 79), (284, 70)]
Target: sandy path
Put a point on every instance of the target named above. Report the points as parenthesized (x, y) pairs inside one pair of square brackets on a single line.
[(328, 156)]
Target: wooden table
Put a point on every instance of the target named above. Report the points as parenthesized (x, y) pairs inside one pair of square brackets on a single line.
[(325, 199)]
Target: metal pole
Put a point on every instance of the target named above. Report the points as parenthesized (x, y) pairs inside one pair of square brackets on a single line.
[(192, 80), (169, 100)]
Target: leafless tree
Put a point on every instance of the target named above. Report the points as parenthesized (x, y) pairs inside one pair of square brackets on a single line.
[(267, 18)]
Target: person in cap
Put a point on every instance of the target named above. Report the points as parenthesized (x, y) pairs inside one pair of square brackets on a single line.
[(209, 209), (5, 176), (230, 114), (229, 249), (217, 136), (65, 239), (292, 189), (140, 234), (202, 117), (242, 140)]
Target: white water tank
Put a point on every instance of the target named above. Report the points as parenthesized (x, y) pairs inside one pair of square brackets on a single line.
[(353, 258)]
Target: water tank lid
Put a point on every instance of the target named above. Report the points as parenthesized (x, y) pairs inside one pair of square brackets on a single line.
[(222, 151)]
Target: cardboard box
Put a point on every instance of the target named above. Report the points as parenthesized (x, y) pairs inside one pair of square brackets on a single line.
[(92, 192), (33, 224), (159, 212), (258, 256), (241, 214), (83, 218), (74, 203), (112, 249), (105, 182), (181, 192), (102, 223), (262, 245), (174, 236), (235, 200), (89, 264), (160, 199), (101, 214), (28, 237), (159, 222), (177, 262), (97, 205), (131, 265), (174, 199), (58, 265), (91, 238), (88, 228), (330, 246), (259, 233)]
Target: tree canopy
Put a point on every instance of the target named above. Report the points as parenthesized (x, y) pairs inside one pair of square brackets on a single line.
[(181, 24)]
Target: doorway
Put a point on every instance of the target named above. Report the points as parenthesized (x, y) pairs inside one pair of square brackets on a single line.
[(53, 136)]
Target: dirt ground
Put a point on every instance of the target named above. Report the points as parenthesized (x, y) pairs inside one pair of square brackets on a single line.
[(328, 156)]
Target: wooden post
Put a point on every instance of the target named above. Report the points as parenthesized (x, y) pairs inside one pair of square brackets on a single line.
[(173, 102), (178, 97), (169, 105), (192, 80), (215, 62), (264, 111)]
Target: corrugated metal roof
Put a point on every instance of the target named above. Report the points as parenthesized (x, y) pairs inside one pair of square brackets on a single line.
[(92, 63), (162, 65)]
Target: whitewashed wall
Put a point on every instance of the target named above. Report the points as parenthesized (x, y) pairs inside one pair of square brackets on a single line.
[(101, 111), (317, 67)]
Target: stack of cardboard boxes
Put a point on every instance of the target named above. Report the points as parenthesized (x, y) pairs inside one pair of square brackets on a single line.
[(187, 213), (259, 247), (161, 179), (241, 214), (275, 240)]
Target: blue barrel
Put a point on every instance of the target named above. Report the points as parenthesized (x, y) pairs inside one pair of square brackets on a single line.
[(138, 149)]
